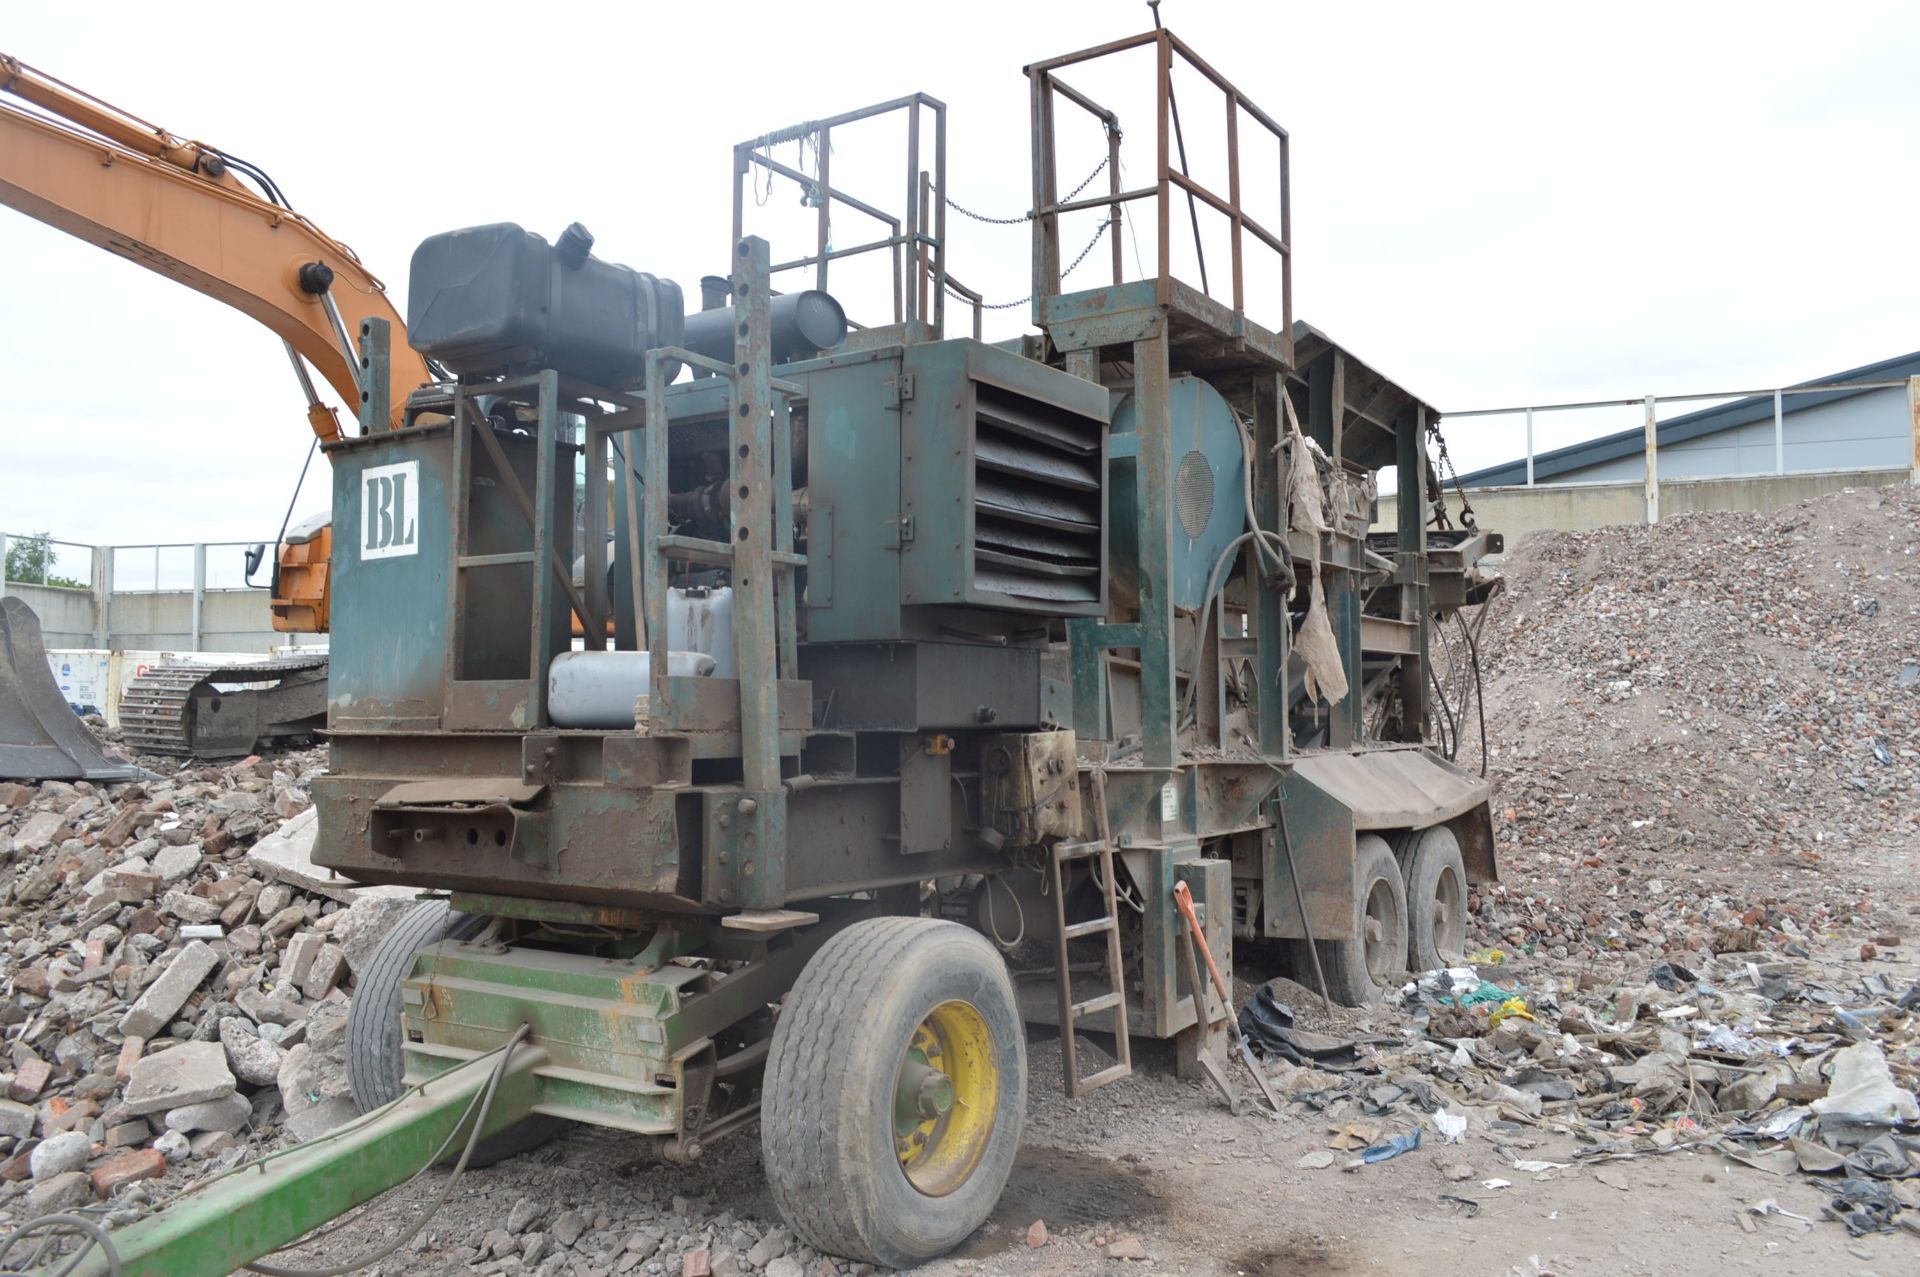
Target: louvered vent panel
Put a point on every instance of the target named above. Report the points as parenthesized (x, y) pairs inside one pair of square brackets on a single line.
[(1037, 502)]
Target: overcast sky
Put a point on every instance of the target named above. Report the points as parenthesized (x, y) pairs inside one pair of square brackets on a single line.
[(1493, 204)]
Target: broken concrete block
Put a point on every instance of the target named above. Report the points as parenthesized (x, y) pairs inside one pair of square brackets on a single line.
[(131, 1134), (16, 1120), (230, 1112), (40, 831), (173, 864), (188, 907), (299, 1086), (253, 1059), (62, 1192), (320, 1119), (213, 1143), (268, 1009), (287, 856), (329, 964), (284, 922), (298, 959), (165, 996), (181, 1075)]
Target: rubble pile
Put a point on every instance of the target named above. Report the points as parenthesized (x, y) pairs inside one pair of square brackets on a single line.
[(176, 979), (1704, 735), (1704, 738)]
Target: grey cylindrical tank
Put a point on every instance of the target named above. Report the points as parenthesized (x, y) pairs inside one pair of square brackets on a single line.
[(496, 299), (803, 325), (598, 689)]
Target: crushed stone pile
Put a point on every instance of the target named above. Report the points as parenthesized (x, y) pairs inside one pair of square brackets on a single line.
[(1706, 727), (176, 976)]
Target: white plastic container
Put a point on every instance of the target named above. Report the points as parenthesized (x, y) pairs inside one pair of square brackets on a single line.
[(598, 689), (701, 620)]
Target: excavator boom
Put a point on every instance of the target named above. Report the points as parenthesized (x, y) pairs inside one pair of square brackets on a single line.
[(178, 207)]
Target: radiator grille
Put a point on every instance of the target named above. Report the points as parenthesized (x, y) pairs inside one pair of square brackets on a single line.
[(1037, 500)]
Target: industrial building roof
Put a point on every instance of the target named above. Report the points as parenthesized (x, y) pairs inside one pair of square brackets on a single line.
[(1741, 412)]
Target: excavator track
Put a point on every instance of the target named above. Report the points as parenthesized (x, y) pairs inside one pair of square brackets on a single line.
[(182, 710)]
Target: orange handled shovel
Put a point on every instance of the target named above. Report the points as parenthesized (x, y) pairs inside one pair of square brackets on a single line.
[(1184, 899)]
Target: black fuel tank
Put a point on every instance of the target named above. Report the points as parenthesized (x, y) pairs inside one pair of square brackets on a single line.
[(491, 300)]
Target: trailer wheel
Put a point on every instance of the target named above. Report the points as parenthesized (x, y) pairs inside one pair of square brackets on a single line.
[(895, 1091), (1436, 900), (1361, 965), (375, 1062)]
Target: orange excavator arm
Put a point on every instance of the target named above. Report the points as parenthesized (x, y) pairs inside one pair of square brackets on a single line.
[(179, 207)]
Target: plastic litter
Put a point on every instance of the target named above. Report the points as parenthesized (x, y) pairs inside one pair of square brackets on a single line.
[(1672, 977), (1496, 1183), (1452, 1126), (1491, 957), (1883, 1158), (1515, 1007), (1862, 1087), (1391, 1148), (1268, 1025), (1864, 1206)]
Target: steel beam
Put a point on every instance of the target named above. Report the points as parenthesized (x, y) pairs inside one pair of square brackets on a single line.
[(256, 1209)]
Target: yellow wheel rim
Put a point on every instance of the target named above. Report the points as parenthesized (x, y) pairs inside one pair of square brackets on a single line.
[(944, 1097)]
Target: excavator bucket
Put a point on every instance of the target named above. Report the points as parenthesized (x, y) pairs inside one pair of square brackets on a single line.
[(40, 739)]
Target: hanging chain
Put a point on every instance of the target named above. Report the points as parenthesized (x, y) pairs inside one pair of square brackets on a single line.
[(1448, 472), (1028, 215), (1101, 230)]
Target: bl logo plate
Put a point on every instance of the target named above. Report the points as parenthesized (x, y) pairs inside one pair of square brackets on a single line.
[(389, 501)]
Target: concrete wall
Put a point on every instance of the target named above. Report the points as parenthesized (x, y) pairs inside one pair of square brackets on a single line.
[(66, 616), (1870, 431), (1578, 507), (230, 621)]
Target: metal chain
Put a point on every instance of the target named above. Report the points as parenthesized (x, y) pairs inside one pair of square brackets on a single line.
[(1102, 230), (1446, 464), (1028, 215)]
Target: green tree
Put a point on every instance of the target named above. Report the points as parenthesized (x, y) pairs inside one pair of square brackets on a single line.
[(29, 559)]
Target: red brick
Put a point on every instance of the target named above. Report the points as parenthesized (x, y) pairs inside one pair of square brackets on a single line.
[(30, 1079), (62, 1116), (142, 1163), (130, 1052), (122, 827), (696, 1263)]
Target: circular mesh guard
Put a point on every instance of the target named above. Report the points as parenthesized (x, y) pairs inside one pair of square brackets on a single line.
[(1193, 492)]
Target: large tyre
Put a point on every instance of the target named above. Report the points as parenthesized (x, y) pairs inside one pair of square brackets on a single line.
[(375, 1061), (1436, 900), (1360, 965), (895, 1093)]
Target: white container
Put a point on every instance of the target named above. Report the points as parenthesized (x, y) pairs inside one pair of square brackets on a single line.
[(702, 621), (598, 689)]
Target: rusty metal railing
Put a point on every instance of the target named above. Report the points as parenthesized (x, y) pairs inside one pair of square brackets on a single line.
[(919, 259), (1046, 87)]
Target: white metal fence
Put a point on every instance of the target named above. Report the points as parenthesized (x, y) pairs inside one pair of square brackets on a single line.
[(1596, 412)]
